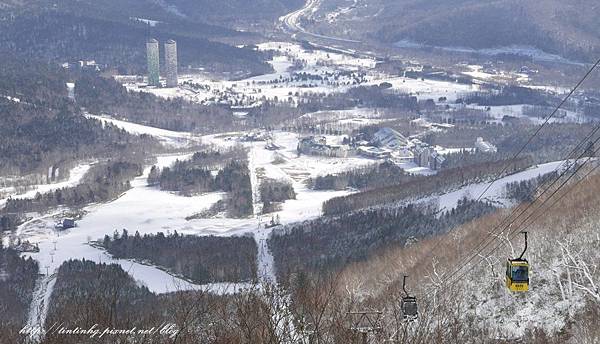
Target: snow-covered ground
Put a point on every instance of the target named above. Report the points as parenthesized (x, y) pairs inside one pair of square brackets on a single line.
[(38, 309), (75, 176), (496, 192), (142, 208), (498, 113), (426, 89), (270, 86), (478, 72), (150, 210), (167, 137), (333, 66)]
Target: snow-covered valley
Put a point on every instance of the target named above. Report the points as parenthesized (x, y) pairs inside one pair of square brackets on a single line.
[(299, 74)]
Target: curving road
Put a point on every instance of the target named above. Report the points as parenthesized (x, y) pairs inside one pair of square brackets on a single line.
[(291, 23)]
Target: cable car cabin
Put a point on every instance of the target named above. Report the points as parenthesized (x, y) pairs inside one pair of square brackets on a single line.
[(517, 275), (409, 307), (408, 304)]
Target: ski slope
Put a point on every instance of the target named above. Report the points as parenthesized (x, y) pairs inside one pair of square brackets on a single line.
[(167, 137), (75, 176)]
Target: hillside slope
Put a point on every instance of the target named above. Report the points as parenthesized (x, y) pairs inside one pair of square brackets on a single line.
[(233, 9), (568, 28), (563, 253), (192, 10)]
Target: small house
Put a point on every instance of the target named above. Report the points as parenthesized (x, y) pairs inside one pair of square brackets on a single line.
[(68, 223)]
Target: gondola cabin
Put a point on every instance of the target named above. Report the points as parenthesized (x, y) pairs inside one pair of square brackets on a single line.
[(409, 307), (517, 275)]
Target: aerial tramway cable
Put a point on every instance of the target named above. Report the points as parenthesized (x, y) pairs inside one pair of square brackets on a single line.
[(481, 247), (522, 149), (455, 276)]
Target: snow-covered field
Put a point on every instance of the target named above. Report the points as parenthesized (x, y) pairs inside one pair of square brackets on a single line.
[(334, 67), (150, 210), (426, 89)]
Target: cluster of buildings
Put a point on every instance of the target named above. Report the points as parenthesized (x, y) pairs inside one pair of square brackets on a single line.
[(386, 143), (153, 55), (426, 156), (317, 145), (390, 146), (85, 65)]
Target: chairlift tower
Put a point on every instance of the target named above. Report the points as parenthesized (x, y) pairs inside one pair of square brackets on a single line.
[(366, 324)]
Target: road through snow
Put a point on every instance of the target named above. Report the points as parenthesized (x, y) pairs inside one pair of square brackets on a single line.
[(291, 22)]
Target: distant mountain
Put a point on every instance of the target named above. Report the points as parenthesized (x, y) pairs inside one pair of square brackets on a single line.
[(193, 10), (568, 28), (231, 10)]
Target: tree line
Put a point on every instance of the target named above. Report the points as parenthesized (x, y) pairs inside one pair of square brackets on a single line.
[(17, 282), (381, 175), (330, 243), (422, 186), (511, 95), (201, 259)]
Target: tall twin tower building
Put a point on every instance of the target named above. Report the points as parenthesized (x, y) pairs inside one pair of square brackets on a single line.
[(152, 52)]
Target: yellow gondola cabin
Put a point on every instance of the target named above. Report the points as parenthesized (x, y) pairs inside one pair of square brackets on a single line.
[(517, 272), (517, 275)]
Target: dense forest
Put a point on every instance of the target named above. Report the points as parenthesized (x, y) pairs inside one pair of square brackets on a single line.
[(511, 95), (40, 127), (509, 139), (201, 259), (333, 242), (273, 192), (376, 96), (88, 294), (491, 24), (525, 191), (31, 141), (235, 180), (193, 176), (422, 186), (17, 281), (177, 15), (65, 37), (106, 96), (384, 174)]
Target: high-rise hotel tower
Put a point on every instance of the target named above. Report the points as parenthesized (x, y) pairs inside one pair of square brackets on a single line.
[(153, 62), (171, 62)]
